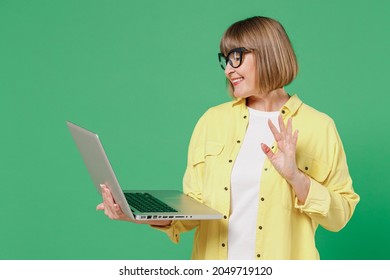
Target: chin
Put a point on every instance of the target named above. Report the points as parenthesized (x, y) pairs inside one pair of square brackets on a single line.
[(239, 94)]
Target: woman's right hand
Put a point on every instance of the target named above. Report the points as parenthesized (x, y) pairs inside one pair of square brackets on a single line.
[(114, 212)]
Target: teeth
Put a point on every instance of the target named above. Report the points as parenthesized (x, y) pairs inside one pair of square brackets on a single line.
[(237, 80)]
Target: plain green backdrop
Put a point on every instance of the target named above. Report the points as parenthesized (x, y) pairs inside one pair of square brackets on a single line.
[(141, 73)]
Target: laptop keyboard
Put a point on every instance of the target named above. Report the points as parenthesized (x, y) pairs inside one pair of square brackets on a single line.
[(145, 202)]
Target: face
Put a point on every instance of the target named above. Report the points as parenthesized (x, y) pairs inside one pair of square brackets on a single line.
[(243, 78)]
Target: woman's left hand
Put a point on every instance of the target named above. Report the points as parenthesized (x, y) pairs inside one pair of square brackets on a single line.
[(284, 159)]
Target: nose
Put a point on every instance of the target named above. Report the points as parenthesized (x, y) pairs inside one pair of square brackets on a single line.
[(228, 69)]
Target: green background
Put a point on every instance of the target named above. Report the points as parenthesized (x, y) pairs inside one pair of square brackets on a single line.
[(140, 73)]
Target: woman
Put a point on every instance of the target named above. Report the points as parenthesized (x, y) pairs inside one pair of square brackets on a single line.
[(272, 165)]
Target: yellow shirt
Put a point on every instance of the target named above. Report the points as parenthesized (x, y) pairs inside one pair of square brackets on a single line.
[(285, 229)]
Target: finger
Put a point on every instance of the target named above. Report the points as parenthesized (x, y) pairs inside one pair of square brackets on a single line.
[(274, 130), (118, 209), (289, 128), (100, 206), (108, 202), (295, 137), (104, 193), (115, 212), (267, 150), (282, 126), (104, 196), (119, 215), (102, 186), (107, 195)]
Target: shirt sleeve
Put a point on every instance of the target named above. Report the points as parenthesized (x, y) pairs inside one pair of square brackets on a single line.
[(332, 202)]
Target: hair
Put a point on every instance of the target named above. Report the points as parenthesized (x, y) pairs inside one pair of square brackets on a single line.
[(268, 41)]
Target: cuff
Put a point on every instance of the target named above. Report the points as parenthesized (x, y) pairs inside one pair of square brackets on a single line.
[(170, 230), (317, 201)]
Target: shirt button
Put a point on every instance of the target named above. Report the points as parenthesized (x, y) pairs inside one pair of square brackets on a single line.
[(266, 169), (262, 199), (283, 111), (225, 217), (244, 117), (306, 168), (258, 255), (238, 141), (223, 245), (230, 160), (260, 227), (226, 188)]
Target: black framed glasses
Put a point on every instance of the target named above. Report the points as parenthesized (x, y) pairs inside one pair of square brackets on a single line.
[(234, 58)]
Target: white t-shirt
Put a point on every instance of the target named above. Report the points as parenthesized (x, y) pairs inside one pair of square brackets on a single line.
[(245, 185)]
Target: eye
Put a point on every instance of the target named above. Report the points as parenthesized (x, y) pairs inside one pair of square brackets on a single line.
[(236, 56)]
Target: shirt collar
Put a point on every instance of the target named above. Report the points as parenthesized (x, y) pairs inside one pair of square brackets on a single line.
[(289, 108), (292, 105), (238, 101)]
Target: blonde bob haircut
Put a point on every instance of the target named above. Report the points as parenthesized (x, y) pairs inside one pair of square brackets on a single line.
[(268, 41)]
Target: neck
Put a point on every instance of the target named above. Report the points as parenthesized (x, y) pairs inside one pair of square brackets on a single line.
[(268, 102)]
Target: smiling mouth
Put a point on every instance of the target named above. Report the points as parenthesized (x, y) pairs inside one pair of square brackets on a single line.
[(236, 81)]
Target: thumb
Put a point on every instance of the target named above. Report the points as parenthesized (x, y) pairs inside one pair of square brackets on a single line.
[(267, 150), (100, 206)]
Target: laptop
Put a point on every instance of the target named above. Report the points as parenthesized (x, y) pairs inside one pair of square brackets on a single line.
[(136, 204)]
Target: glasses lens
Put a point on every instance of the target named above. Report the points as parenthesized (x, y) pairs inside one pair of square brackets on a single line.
[(222, 60), (235, 58)]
